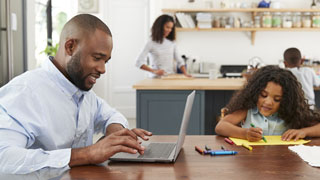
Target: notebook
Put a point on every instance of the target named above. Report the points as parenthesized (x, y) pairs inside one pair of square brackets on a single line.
[(161, 151)]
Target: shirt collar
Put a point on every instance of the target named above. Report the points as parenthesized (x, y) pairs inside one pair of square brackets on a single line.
[(65, 85), (256, 111)]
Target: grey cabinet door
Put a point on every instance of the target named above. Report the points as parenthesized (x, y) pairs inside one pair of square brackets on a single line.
[(161, 111)]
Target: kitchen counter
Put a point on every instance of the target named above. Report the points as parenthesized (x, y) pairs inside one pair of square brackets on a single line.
[(190, 84)]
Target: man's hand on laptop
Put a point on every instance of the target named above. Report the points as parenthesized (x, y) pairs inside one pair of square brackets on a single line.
[(124, 140), (142, 133)]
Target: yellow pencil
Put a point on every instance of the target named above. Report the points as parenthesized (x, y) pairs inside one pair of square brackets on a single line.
[(247, 146)]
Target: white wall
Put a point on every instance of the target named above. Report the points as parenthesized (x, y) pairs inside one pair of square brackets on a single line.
[(31, 60), (129, 24)]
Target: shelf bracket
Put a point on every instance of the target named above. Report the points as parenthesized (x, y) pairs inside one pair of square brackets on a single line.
[(253, 37)]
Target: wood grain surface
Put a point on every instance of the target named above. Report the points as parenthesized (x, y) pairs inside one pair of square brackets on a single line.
[(263, 162)]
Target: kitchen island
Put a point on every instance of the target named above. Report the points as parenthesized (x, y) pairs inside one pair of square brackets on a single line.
[(160, 103)]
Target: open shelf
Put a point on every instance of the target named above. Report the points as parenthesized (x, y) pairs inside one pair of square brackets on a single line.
[(253, 12), (239, 10)]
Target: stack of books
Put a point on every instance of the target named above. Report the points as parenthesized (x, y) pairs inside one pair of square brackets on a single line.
[(185, 20), (204, 20)]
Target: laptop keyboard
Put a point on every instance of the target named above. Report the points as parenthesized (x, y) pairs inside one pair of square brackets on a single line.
[(158, 150)]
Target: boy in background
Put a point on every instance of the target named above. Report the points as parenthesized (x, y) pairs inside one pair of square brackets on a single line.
[(305, 75)]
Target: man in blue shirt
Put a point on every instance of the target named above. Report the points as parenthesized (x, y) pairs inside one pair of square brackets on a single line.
[(48, 116)]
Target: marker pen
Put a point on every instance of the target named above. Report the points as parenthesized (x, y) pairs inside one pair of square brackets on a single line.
[(228, 141), (199, 150), (247, 146), (207, 148), (263, 138), (215, 153)]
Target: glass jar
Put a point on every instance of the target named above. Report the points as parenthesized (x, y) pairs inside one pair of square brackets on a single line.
[(306, 20), (257, 22), (223, 22), (276, 20), (316, 20), (266, 20), (237, 22), (216, 22), (296, 20), (287, 20), (230, 22)]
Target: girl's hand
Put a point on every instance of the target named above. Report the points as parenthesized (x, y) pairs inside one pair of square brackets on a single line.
[(295, 134), (254, 134), (188, 75)]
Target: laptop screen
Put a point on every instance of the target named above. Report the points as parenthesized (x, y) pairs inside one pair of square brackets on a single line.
[(185, 122)]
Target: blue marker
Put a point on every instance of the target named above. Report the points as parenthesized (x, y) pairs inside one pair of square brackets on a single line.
[(215, 153), (212, 151)]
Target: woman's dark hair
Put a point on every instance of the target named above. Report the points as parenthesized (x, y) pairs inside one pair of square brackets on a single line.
[(294, 109), (157, 28)]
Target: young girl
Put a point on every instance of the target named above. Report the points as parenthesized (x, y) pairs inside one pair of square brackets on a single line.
[(162, 49), (273, 101)]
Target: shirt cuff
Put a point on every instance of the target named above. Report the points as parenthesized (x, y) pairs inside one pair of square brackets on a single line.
[(117, 119)]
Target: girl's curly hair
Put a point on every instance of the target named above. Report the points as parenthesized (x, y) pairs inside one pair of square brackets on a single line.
[(294, 109)]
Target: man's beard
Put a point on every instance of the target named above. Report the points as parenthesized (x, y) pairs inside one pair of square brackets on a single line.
[(75, 72)]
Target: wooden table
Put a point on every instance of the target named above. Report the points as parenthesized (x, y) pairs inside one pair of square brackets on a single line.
[(264, 162)]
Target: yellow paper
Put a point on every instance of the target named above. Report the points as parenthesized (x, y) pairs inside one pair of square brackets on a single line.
[(271, 140)]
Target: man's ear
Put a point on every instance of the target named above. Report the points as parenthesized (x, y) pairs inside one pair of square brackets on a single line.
[(70, 46), (285, 63), (301, 61)]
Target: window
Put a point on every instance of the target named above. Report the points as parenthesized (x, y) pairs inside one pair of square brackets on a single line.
[(62, 11)]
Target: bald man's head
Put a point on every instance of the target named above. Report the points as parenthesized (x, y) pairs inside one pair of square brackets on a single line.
[(81, 26), (85, 46)]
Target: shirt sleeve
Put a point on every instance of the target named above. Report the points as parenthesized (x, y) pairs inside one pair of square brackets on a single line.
[(106, 116), (17, 135), (177, 57), (316, 79), (16, 159), (142, 58)]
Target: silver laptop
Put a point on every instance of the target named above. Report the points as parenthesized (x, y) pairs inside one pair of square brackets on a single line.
[(161, 151)]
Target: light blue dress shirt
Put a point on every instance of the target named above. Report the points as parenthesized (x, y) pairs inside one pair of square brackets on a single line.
[(43, 115), (271, 125)]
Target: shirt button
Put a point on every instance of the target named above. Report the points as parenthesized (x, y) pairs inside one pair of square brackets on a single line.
[(265, 120), (59, 163)]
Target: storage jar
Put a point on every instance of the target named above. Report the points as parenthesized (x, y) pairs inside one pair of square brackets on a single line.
[(276, 20), (296, 20), (287, 20), (306, 20), (266, 20), (316, 20)]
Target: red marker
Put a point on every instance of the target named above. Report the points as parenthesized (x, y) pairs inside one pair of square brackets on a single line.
[(199, 150), (228, 141)]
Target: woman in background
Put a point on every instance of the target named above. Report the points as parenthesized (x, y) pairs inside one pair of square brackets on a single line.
[(162, 50)]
